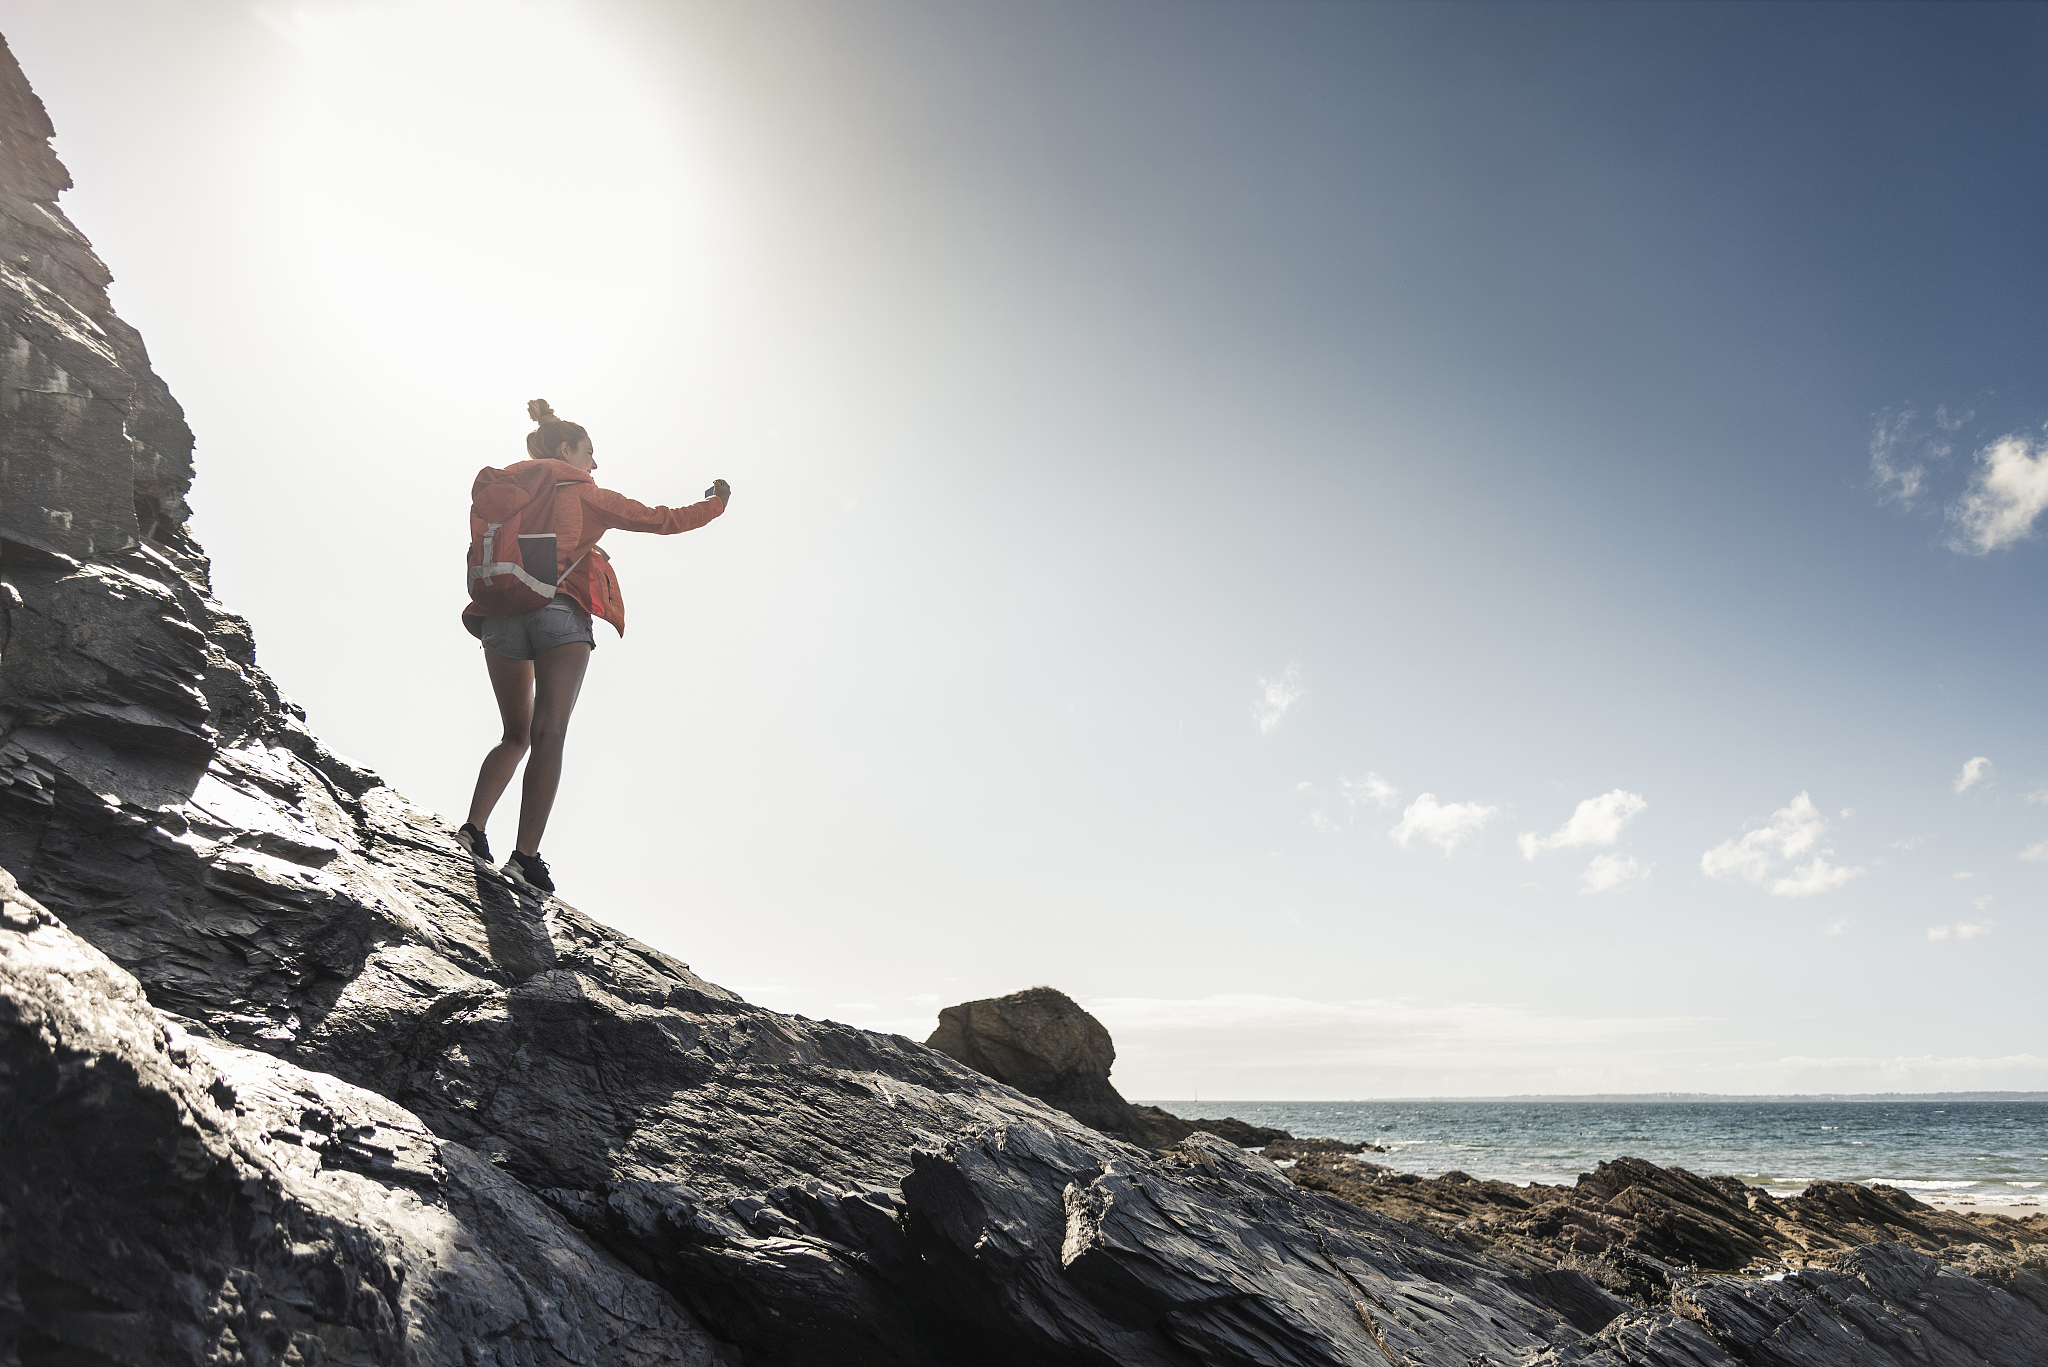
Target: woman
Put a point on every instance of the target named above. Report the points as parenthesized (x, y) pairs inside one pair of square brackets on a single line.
[(536, 658)]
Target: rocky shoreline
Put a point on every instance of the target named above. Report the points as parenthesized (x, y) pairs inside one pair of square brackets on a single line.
[(1703, 1223), (286, 1080), (1045, 1044)]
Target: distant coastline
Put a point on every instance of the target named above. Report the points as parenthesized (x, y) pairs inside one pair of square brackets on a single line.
[(1623, 1098)]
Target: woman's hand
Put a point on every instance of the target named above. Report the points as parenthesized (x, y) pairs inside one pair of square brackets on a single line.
[(719, 489)]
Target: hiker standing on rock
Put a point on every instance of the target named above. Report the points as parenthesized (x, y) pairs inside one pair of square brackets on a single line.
[(536, 579)]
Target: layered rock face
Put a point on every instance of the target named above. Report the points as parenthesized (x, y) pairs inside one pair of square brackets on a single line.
[(285, 1079)]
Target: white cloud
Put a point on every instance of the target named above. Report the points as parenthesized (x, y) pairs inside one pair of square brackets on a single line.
[(1323, 823), (2036, 853), (1444, 825), (2008, 491), (1963, 875), (1912, 842), (2039, 795), (1609, 872), (1372, 788), (1795, 829), (1598, 821), (1838, 926), (1819, 876), (1275, 697), (1898, 475), (1259, 1046), (1961, 930), (1972, 774), (1483, 1023)]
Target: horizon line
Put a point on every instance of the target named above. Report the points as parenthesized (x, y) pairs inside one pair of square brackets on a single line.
[(1612, 1097)]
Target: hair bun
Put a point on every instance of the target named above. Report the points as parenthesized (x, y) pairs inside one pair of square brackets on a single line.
[(540, 410)]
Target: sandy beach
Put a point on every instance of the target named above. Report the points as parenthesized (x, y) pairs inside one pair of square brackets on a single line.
[(1964, 1204)]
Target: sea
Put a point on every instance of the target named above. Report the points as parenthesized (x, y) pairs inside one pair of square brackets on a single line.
[(1947, 1152)]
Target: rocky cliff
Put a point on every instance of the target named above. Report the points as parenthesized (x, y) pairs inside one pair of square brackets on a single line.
[(285, 1079)]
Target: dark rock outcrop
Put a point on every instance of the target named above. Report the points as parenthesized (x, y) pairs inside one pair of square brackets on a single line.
[(1715, 1223), (1288, 1149), (286, 1080), (1159, 1129), (1046, 1045)]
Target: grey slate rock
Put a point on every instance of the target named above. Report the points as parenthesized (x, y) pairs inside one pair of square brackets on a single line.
[(1881, 1305), (173, 1199)]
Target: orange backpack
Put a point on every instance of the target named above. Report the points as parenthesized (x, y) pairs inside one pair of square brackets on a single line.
[(512, 551)]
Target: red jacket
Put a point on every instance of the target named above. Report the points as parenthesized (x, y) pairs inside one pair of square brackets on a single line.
[(583, 513)]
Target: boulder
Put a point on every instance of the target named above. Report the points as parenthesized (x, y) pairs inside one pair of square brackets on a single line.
[(1046, 1045)]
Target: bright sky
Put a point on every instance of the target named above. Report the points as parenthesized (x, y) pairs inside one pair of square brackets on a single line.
[(1387, 549)]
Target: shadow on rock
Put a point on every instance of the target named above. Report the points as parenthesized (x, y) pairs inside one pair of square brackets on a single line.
[(515, 926)]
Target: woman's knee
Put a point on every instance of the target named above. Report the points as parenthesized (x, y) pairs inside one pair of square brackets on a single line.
[(549, 735), (513, 742)]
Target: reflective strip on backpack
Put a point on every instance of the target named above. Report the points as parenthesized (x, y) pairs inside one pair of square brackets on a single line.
[(478, 572), (490, 569)]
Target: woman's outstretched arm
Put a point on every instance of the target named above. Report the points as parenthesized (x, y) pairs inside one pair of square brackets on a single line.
[(616, 510)]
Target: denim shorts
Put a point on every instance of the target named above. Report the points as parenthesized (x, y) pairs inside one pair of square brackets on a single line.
[(523, 635)]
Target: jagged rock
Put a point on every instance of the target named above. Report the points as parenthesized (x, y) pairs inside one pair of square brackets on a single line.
[(1670, 1214), (2022, 1271), (294, 1082), (1879, 1305), (172, 1199), (1045, 1044)]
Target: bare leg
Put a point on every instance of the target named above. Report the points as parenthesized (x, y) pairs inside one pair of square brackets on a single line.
[(557, 679), (512, 681)]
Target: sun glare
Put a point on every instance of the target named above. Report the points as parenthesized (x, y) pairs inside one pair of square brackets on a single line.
[(484, 178)]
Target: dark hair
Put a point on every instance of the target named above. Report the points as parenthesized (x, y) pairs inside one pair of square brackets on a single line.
[(543, 441)]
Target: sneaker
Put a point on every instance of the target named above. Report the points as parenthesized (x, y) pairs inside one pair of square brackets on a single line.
[(531, 870), (473, 840)]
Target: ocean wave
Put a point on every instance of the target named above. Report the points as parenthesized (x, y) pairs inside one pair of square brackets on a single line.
[(1908, 1184)]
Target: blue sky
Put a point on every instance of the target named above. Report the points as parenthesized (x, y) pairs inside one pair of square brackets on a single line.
[(1216, 484)]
